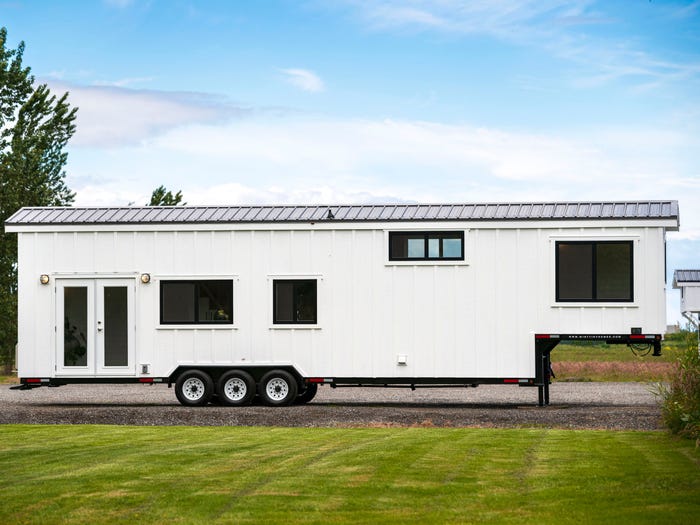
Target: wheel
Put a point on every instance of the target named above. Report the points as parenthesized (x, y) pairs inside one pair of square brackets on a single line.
[(307, 394), (278, 388), (194, 388), (236, 388)]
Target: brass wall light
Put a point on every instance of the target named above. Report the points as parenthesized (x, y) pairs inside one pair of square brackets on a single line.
[(44, 279), (145, 278)]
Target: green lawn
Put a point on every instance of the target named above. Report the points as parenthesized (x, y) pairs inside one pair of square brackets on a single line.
[(103, 474)]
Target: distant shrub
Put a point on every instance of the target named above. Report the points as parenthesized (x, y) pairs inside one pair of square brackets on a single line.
[(682, 336), (681, 397)]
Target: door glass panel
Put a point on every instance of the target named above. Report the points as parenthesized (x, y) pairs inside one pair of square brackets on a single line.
[(116, 331), (75, 325)]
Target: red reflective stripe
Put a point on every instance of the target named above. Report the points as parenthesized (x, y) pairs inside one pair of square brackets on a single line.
[(510, 380), (542, 336), (145, 380), (32, 380), (638, 336), (314, 380)]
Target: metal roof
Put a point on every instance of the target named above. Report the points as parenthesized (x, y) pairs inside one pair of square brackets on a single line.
[(366, 212), (686, 276)]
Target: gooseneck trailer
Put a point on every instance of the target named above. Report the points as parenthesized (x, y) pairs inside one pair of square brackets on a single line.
[(230, 302)]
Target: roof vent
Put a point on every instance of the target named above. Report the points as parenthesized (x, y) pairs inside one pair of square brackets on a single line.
[(330, 215)]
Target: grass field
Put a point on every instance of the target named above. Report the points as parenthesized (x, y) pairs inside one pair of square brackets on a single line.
[(8, 380), (103, 474), (586, 361)]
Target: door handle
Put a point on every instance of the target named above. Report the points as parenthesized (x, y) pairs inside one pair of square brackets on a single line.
[(99, 326)]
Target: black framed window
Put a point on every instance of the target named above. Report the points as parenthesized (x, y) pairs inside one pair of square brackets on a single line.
[(426, 246), (294, 301), (595, 271), (196, 302)]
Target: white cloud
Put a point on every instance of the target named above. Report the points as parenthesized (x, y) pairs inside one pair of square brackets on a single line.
[(407, 150), (503, 18), (304, 79), (556, 26), (239, 194), (112, 116), (303, 160), (123, 82)]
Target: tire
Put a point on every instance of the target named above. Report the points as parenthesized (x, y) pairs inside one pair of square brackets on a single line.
[(194, 388), (307, 394), (236, 388), (278, 388)]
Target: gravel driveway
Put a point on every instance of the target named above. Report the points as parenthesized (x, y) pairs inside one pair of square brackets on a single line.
[(628, 406)]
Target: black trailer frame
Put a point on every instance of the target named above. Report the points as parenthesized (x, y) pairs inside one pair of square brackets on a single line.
[(545, 343)]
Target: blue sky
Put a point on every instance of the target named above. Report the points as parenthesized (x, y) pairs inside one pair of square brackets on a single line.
[(364, 101)]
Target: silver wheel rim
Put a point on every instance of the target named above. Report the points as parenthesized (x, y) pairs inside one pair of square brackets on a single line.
[(193, 389), (235, 389), (277, 389)]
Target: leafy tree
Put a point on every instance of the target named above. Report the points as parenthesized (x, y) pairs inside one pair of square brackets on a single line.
[(34, 129), (163, 197)]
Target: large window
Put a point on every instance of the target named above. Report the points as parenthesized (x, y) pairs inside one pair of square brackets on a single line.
[(426, 246), (196, 302), (294, 301), (594, 271)]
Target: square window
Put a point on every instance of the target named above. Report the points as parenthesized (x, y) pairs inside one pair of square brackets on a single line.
[(294, 301), (599, 271)]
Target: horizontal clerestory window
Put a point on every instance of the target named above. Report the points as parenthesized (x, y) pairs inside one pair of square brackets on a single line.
[(426, 246)]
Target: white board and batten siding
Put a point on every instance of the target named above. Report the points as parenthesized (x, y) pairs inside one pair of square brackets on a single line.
[(688, 282), (473, 318)]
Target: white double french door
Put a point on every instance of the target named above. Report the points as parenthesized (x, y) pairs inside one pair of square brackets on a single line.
[(95, 327)]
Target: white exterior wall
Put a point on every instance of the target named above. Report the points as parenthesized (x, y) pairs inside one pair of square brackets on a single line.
[(690, 297), (473, 319)]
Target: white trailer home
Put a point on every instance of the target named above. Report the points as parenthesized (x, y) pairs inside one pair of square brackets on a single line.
[(230, 301), (688, 282)]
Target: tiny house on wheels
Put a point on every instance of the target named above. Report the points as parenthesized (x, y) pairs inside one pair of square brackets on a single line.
[(688, 282), (275, 300)]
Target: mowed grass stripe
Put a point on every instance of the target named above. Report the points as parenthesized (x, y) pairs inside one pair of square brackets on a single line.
[(103, 474)]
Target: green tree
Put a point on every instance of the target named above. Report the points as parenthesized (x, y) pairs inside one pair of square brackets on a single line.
[(35, 126), (163, 197)]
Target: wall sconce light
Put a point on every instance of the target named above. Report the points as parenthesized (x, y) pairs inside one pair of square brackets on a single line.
[(44, 279), (145, 278)]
